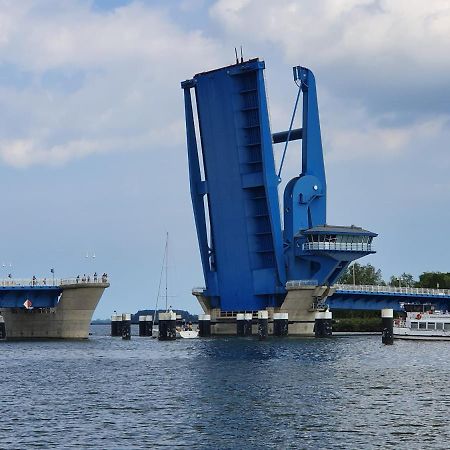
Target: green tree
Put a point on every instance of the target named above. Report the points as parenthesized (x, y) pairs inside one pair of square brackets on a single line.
[(403, 280), (434, 280), (363, 274)]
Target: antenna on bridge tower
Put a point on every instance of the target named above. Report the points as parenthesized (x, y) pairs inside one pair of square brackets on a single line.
[(242, 57), (235, 52)]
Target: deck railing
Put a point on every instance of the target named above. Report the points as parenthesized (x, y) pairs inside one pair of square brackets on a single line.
[(360, 288), (198, 290), (49, 282), (299, 283), (392, 289), (338, 246)]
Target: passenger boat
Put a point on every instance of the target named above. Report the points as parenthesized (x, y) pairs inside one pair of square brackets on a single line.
[(423, 322)]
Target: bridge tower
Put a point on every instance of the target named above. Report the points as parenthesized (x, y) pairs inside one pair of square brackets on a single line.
[(249, 261)]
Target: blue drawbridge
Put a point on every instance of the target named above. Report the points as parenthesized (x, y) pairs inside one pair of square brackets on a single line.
[(250, 246)]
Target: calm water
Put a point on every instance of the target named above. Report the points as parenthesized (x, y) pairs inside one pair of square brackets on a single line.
[(347, 392)]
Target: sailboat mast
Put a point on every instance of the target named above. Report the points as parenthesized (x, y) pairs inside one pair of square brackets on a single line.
[(167, 261)]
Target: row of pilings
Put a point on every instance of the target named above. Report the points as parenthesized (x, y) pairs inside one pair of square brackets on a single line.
[(168, 322)]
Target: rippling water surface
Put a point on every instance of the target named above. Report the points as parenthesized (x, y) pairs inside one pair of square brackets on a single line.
[(344, 392)]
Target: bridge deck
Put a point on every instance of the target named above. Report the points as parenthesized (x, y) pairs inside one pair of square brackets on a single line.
[(39, 293), (377, 297)]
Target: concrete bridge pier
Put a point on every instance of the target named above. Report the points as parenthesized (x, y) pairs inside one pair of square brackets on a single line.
[(301, 304)]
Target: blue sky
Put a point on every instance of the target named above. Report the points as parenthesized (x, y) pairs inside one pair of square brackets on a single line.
[(92, 143)]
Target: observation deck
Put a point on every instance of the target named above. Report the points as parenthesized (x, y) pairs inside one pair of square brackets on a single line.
[(336, 239)]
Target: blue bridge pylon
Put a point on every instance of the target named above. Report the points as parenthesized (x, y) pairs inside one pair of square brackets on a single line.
[(247, 255)]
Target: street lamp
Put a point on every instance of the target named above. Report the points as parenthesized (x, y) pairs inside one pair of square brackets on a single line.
[(92, 256)]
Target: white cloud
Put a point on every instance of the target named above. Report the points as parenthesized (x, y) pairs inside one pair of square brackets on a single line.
[(335, 29), (126, 64), (382, 52), (370, 142)]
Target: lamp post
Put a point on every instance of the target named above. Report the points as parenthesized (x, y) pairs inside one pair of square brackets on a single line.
[(90, 257), (52, 271)]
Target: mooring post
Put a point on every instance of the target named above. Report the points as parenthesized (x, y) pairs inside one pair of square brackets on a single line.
[(387, 318), (167, 326), (126, 327), (204, 325), (2, 328), (280, 324), (148, 325), (248, 320), (240, 324), (263, 324), (142, 325), (323, 324), (115, 321)]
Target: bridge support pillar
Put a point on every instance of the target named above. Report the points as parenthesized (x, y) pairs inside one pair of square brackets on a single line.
[(302, 302), (2, 328), (116, 325), (167, 326), (204, 325), (142, 326), (126, 326), (263, 324), (387, 318), (244, 324), (149, 326), (323, 324)]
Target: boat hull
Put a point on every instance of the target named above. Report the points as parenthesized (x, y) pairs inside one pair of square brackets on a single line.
[(188, 334), (69, 319), (418, 335)]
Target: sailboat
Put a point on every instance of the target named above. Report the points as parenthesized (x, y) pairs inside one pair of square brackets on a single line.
[(187, 333)]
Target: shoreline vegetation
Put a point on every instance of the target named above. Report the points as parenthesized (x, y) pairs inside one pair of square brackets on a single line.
[(344, 320)]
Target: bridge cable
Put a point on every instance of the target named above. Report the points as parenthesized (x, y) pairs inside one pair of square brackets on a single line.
[(290, 129)]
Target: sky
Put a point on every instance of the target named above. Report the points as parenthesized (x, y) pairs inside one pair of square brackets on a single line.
[(92, 139)]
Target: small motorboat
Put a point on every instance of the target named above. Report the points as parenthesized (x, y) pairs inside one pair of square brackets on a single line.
[(188, 334)]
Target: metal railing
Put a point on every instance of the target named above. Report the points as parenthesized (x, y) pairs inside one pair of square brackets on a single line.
[(49, 282), (338, 246), (198, 290), (360, 288), (392, 289), (299, 283)]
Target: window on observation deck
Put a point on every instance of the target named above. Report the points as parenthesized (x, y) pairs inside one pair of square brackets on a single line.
[(431, 326), (340, 242), (423, 325), (414, 325), (447, 326)]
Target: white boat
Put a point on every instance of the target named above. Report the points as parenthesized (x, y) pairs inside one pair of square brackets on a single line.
[(188, 334), (424, 323)]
